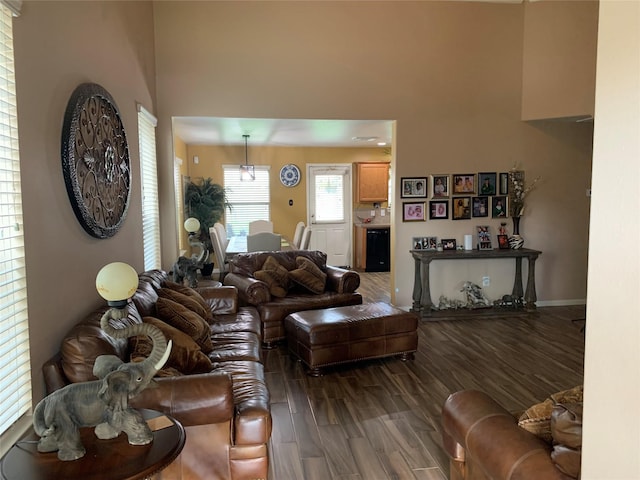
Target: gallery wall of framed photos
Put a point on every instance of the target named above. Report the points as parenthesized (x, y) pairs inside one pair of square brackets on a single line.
[(457, 196)]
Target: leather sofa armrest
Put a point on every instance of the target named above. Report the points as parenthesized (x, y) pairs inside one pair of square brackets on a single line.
[(492, 439), (221, 300), (54, 377), (250, 290), (191, 399), (342, 280)]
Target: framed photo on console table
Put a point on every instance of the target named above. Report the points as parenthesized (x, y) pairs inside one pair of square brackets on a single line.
[(484, 237), (448, 243)]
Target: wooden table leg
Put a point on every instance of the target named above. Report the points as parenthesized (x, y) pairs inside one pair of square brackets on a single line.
[(417, 287), (517, 281), (530, 296), (426, 288)]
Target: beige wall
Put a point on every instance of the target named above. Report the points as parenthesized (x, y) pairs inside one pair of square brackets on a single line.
[(612, 359), (59, 45), (449, 73), (559, 63)]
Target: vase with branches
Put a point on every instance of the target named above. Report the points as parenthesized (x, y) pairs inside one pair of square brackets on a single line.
[(518, 191)]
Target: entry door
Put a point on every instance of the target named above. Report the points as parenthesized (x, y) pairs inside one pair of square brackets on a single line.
[(329, 209)]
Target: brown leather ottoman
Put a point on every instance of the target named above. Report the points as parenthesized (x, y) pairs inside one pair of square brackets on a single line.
[(346, 334)]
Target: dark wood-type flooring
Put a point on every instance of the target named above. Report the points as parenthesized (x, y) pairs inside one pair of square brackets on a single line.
[(380, 419)]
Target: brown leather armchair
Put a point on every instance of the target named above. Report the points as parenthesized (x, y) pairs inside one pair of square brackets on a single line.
[(484, 442), (340, 289)]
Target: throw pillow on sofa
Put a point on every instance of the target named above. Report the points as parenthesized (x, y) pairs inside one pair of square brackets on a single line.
[(537, 418), (185, 320), (275, 276), (566, 430), (191, 293), (186, 300), (186, 356), (309, 275)]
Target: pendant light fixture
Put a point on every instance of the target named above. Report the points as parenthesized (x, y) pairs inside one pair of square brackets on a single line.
[(247, 172)]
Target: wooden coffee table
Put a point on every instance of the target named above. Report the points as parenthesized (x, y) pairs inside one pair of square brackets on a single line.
[(105, 459)]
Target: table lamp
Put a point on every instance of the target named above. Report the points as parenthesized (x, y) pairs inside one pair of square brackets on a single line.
[(192, 226)]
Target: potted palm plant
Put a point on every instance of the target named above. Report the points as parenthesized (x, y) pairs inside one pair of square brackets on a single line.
[(205, 201)]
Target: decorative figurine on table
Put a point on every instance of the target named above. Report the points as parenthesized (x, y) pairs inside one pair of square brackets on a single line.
[(104, 403)]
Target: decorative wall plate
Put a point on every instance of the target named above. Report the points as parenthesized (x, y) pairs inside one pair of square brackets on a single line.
[(290, 175), (95, 160)]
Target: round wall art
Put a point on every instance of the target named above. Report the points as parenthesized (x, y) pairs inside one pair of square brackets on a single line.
[(95, 160)]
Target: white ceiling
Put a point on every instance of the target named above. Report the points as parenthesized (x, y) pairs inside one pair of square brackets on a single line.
[(283, 132)]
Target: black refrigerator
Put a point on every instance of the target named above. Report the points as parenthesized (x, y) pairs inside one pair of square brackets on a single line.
[(378, 247)]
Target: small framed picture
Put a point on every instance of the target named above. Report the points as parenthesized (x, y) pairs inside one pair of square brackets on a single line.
[(413, 212), (499, 207), (480, 206), (440, 186), (464, 183), (449, 244), (503, 188), (461, 208), (503, 242), (416, 243), (484, 237), (438, 209), (487, 183), (429, 243), (414, 187)]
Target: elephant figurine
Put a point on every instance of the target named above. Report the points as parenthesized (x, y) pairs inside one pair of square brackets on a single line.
[(186, 268), (102, 403)]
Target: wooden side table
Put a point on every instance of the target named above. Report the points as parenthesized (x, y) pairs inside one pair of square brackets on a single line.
[(113, 459)]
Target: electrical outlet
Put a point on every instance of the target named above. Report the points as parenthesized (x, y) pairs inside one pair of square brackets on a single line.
[(373, 213), (486, 281)]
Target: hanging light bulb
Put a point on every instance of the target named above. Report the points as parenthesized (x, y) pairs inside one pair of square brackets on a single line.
[(247, 172)]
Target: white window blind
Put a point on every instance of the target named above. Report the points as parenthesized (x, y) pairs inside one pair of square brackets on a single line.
[(15, 372), (149, 176), (179, 194), (248, 201)]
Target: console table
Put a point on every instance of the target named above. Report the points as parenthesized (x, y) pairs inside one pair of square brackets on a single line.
[(421, 289), (113, 459)]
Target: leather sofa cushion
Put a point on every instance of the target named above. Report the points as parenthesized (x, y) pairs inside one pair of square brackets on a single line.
[(188, 301), (566, 430), (309, 275), (232, 346), (186, 356), (86, 341), (185, 320), (246, 320)]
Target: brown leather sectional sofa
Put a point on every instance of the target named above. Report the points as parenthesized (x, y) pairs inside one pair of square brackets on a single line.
[(485, 442), (340, 288), (225, 410)]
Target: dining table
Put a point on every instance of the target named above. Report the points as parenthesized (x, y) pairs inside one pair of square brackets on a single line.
[(238, 244)]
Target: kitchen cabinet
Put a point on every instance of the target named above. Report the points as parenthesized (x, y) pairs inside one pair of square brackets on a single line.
[(372, 182)]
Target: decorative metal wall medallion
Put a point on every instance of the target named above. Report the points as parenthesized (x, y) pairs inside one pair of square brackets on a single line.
[(95, 160)]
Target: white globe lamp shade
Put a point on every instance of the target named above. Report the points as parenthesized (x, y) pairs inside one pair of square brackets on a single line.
[(116, 283), (191, 225)]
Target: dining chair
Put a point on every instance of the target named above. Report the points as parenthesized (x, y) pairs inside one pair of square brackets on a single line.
[(258, 226), (264, 242), (219, 254), (297, 236), (306, 238), (222, 235)]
